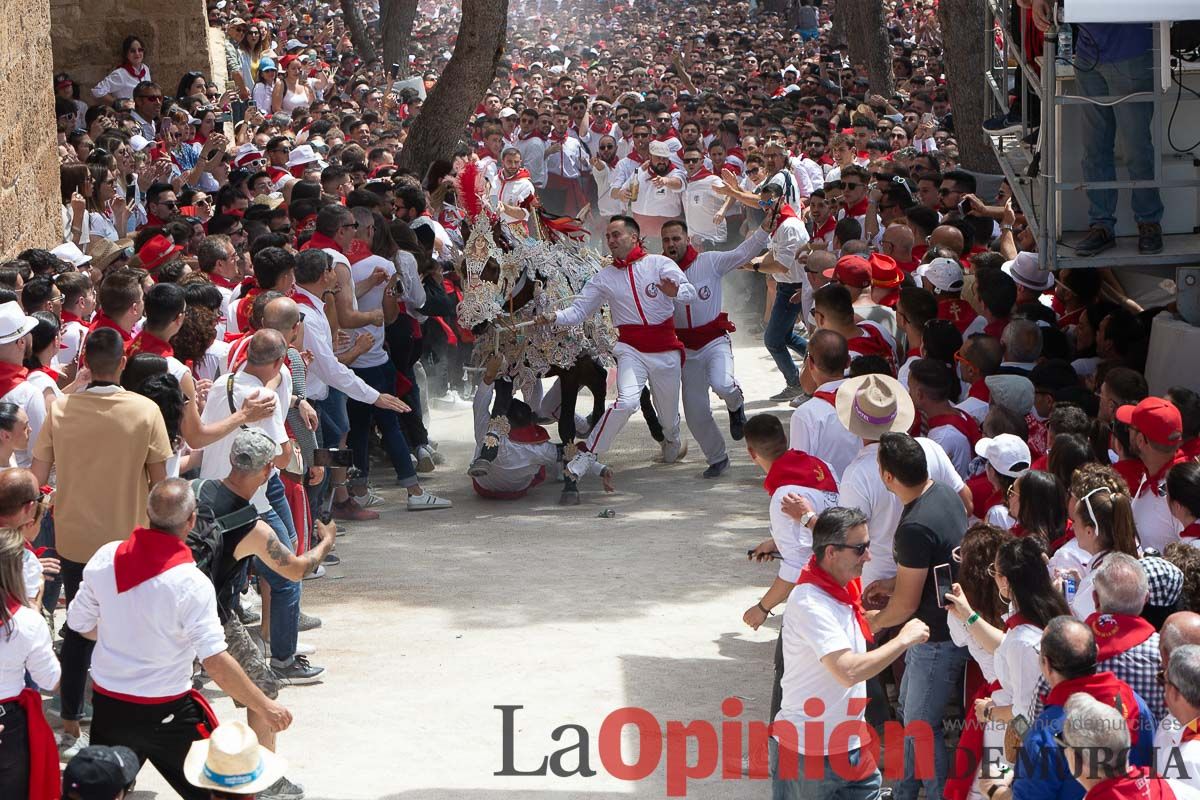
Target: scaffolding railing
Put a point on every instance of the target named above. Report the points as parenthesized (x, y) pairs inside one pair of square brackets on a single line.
[(1032, 161)]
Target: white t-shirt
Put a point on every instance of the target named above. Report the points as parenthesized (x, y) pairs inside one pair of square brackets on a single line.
[(372, 300), (700, 206), (816, 429), (814, 626), (786, 244), (794, 540), (1017, 669), (215, 465)]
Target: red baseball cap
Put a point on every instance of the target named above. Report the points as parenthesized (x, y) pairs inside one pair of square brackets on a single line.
[(851, 271), (156, 251), (1157, 419), (885, 273)]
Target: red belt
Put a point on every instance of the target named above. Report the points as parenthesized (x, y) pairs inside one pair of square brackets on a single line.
[(697, 337), (660, 338), (210, 716)]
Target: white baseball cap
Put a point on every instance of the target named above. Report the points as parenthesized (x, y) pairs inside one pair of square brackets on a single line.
[(1007, 454), (945, 274), (139, 142), (70, 252), (660, 149), (506, 112)]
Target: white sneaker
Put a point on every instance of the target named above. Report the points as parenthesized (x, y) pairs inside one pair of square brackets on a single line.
[(304, 648), (427, 502), (319, 572), (70, 746), (425, 462), (674, 451)]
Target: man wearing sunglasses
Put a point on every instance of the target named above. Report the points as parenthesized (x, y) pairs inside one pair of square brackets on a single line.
[(161, 205), (147, 108), (22, 506)]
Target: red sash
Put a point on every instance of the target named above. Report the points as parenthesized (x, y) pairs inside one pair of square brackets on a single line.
[(970, 748), (961, 421), (529, 434), (146, 554), (44, 777), (850, 594), (11, 376), (205, 728), (660, 338), (797, 468), (699, 336), (146, 342), (1117, 633), (1105, 687)]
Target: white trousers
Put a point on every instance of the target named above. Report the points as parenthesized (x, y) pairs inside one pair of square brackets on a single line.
[(710, 367), (635, 369)]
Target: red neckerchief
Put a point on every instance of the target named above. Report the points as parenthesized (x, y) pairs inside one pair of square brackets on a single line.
[(504, 182), (913, 352), (11, 376), (483, 153), (795, 467), (304, 300), (1117, 633), (1191, 731), (891, 299), (536, 134), (1105, 687), (872, 343), (635, 157), (153, 222), (245, 305), (102, 320), (1191, 531), (1017, 620), (633, 255), (359, 250), (53, 373), (222, 281), (786, 212), (828, 397), (850, 594), (147, 342), (961, 421), (980, 391), (859, 209), (688, 258), (1136, 784), (826, 229), (1071, 317), (1190, 448), (529, 434), (68, 316), (778, 92), (146, 554), (700, 175), (275, 173), (320, 240), (1133, 470), (602, 129), (140, 74), (668, 136), (906, 266)]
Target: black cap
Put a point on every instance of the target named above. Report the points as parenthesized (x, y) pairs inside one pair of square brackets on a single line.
[(100, 773)]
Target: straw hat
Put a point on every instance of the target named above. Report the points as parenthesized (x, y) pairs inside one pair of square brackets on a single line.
[(232, 761), (871, 405)]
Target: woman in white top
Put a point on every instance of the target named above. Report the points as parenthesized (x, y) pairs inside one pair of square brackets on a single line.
[(1183, 498), (975, 557), (14, 433), (1102, 518), (25, 646), (292, 91), (264, 87), (75, 184), (107, 212), (120, 83)]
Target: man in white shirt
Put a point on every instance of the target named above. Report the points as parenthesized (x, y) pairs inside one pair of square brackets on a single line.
[(815, 427), (932, 384), (566, 161), (1180, 634), (512, 187), (531, 144), (640, 291), (701, 205), (825, 656), (704, 329), (151, 613), (632, 160), (604, 172), (655, 192), (14, 341)]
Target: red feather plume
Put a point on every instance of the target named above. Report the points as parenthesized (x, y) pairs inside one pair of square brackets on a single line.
[(471, 184)]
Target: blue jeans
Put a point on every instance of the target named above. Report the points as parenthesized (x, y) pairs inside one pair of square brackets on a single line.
[(1100, 128), (930, 675), (781, 332), (383, 379), (331, 411), (830, 787), (285, 594)]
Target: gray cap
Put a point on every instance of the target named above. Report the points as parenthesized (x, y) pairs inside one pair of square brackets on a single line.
[(252, 450), (1014, 392)]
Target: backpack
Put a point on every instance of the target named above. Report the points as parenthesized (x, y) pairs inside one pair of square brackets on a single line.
[(207, 538)]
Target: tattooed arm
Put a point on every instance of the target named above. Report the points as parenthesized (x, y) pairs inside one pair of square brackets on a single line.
[(262, 542)]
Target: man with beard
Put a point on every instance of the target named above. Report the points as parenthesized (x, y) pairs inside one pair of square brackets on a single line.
[(704, 330), (624, 132), (531, 144), (636, 156), (640, 290), (566, 161), (655, 191), (604, 171), (701, 205), (664, 127), (512, 187)]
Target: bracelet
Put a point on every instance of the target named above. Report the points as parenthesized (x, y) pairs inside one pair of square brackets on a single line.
[(1006, 228), (971, 620), (762, 609)]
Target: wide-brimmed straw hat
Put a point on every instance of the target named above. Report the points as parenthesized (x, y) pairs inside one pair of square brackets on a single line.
[(871, 405)]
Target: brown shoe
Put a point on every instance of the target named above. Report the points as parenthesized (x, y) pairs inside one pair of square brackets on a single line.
[(1149, 238), (351, 511), (1098, 240)]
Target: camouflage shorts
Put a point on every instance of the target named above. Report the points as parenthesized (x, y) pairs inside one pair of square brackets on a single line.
[(246, 653)]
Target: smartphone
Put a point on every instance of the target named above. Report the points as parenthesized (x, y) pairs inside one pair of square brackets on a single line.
[(395, 73), (942, 581), (769, 555), (964, 207)]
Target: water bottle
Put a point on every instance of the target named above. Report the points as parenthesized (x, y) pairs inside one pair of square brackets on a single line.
[(1066, 43)]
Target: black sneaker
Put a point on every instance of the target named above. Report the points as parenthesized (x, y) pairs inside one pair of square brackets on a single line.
[(1098, 240), (331, 560), (1003, 123), (297, 673), (737, 422), (308, 623), (788, 393), (1149, 238), (715, 470)]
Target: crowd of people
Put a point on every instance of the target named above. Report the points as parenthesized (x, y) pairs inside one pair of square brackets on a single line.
[(984, 520)]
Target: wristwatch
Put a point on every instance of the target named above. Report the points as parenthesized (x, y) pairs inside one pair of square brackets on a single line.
[(1006, 228), (807, 518)]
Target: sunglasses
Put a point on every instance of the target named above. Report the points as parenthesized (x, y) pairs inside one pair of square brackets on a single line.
[(153, 98), (859, 549), (944, 192), (350, 225), (852, 186)]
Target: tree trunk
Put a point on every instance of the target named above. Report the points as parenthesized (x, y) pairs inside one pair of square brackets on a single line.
[(470, 72), (396, 19), (870, 43), (837, 17), (360, 37), (961, 22)]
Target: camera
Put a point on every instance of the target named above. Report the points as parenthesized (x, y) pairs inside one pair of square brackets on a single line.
[(333, 457)]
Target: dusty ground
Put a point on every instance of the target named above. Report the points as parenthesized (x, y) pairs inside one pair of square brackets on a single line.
[(433, 619)]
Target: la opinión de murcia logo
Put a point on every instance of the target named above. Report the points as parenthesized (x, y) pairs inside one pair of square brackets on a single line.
[(724, 750)]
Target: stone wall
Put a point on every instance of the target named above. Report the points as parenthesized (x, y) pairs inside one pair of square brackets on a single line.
[(29, 203), (87, 37)]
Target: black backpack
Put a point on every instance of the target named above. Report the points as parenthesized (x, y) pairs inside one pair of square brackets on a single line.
[(207, 537)]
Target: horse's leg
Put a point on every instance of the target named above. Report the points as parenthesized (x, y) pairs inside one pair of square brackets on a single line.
[(656, 429), (491, 443), (596, 380), (568, 384)]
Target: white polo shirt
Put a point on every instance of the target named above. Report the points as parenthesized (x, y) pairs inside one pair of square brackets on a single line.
[(148, 636), (814, 626), (657, 201), (26, 646)]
